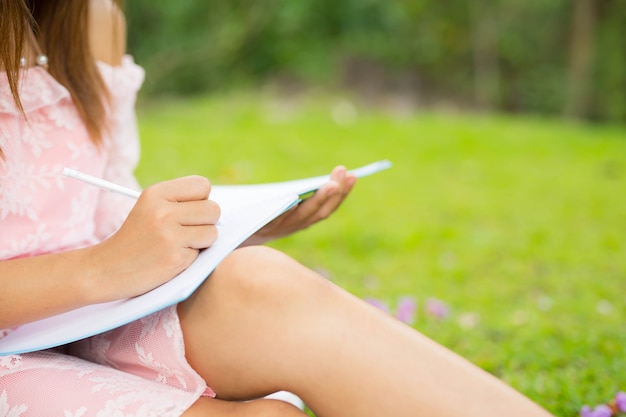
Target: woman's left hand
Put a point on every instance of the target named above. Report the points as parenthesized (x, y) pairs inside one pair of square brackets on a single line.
[(318, 207)]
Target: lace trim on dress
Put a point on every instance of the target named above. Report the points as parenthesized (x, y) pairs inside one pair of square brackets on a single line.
[(37, 89), (123, 80)]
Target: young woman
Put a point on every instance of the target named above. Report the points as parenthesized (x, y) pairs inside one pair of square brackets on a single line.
[(261, 322)]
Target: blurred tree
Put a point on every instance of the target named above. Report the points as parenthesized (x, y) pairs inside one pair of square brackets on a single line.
[(581, 57), (485, 53), (609, 72), (542, 56)]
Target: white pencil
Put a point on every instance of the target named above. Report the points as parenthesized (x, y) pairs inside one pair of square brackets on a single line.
[(105, 185), (99, 182)]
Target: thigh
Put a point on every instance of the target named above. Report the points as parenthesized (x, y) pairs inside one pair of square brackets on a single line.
[(212, 407), (247, 327)]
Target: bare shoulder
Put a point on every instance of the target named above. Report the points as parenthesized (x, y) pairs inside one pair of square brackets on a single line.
[(107, 31)]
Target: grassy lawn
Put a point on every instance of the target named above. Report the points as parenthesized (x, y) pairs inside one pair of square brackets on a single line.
[(517, 224)]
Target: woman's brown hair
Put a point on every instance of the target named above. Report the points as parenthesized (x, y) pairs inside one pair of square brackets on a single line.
[(61, 28)]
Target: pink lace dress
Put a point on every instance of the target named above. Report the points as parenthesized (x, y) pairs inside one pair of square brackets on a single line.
[(136, 370)]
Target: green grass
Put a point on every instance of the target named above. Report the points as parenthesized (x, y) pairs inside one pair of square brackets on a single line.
[(519, 222)]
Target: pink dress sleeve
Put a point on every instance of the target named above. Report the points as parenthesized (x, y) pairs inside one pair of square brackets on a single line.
[(123, 147)]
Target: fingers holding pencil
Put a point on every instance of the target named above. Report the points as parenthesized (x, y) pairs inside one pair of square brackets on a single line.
[(187, 204), (162, 236)]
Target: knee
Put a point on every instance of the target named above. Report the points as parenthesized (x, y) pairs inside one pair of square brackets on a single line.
[(253, 259), (257, 273)]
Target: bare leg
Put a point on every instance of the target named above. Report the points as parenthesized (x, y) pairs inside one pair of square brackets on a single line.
[(262, 323)]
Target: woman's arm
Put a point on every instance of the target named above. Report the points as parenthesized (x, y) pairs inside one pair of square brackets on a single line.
[(107, 31), (33, 288), (162, 235)]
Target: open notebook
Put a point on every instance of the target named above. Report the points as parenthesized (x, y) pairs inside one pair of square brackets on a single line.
[(244, 210)]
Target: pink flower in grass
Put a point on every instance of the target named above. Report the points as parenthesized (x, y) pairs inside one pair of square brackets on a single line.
[(620, 401), (599, 411), (407, 307), (437, 308)]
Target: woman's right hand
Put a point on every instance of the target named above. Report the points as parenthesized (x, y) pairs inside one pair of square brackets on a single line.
[(161, 236)]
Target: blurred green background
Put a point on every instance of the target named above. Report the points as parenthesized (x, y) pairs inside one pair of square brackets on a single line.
[(505, 124), (539, 56)]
